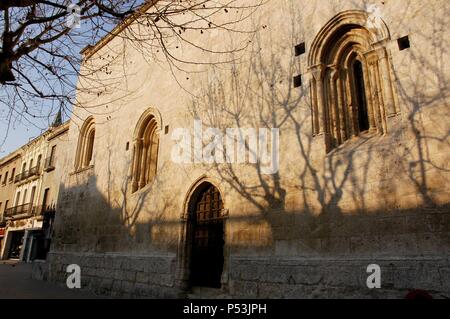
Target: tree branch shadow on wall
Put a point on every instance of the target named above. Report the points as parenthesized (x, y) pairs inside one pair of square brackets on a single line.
[(332, 212), (370, 196)]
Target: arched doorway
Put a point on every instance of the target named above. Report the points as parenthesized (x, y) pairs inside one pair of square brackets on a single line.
[(206, 225)]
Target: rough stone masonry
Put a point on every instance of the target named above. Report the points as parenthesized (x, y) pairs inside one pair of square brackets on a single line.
[(364, 167)]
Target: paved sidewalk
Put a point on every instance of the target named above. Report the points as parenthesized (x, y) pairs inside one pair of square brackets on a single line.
[(16, 283)]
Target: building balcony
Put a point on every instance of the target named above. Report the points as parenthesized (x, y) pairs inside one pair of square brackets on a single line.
[(18, 178), (18, 211), (26, 211), (49, 164), (41, 210), (34, 171)]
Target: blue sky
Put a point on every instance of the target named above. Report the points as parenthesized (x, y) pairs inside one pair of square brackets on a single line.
[(18, 133), (16, 129), (16, 137), (20, 130)]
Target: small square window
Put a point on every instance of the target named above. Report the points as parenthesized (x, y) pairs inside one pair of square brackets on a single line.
[(300, 49), (166, 129), (403, 43), (297, 81), (127, 147)]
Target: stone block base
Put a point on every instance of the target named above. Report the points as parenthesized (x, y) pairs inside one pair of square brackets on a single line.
[(263, 277)]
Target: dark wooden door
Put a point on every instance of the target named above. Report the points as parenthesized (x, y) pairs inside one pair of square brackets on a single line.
[(208, 239), (16, 245)]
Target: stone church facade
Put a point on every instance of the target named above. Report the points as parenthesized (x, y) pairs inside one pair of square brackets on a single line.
[(358, 92)]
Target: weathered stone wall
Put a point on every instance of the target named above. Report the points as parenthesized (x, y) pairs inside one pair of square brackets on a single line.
[(125, 276), (155, 276), (376, 199), (337, 278)]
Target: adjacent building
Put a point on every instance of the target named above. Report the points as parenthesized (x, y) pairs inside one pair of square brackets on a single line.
[(8, 167), (31, 195)]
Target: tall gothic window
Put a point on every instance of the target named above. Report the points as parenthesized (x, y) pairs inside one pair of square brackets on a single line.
[(351, 86), (145, 152), (85, 150)]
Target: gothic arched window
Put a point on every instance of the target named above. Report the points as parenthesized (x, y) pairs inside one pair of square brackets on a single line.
[(85, 150), (145, 152), (351, 87)]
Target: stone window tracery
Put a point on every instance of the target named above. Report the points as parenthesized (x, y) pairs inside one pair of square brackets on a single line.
[(145, 151), (351, 83), (85, 150)]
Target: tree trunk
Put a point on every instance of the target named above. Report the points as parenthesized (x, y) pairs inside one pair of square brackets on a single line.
[(6, 74)]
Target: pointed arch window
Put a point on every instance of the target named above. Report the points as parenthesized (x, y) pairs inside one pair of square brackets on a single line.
[(85, 150), (351, 83), (145, 152)]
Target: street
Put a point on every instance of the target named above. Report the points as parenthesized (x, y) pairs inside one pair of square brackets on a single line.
[(16, 283)]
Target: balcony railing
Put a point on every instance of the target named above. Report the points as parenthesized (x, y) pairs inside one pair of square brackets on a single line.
[(17, 210), (18, 178), (26, 210), (34, 171), (49, 165), (41, 209)]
